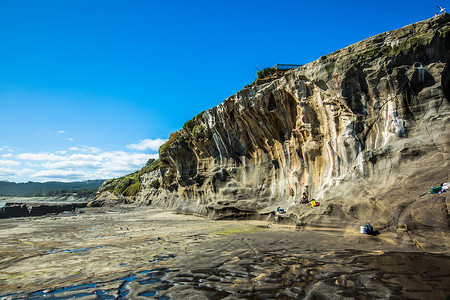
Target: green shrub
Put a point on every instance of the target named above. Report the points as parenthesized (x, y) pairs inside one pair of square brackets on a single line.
[(194, 122), (189, 124), (132, 190), (196, 128), (259, 75), (172, 138), (156, 164), (125, 182), (109, 185), (264, 73), (198, 117)]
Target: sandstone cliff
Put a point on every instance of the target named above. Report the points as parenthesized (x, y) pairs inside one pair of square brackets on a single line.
[(365, 130)]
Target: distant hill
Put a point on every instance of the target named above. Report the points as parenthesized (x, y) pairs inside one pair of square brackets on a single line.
[(50, 188)]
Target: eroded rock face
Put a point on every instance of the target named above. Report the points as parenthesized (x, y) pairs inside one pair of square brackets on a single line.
[(361, 125)]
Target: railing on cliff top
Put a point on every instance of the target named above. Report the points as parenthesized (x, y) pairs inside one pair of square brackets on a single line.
[(285, 67)]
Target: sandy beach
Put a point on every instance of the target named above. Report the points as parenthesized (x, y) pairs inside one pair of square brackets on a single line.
[(131, 252)]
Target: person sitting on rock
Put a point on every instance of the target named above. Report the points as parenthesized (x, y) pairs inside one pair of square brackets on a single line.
[(305, 198)]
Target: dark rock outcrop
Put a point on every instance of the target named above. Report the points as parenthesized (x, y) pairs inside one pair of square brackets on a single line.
[(29, 209), (362, 130)]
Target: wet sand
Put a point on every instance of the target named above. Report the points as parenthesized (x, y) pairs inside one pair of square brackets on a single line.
[(139, 252)]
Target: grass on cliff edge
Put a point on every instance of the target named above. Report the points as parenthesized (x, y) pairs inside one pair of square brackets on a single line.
[(172, 138), (194, 124), (128, 185), (155, 165)]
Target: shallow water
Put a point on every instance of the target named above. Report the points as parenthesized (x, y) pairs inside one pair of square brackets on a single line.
[(149, 281), (100, 289), (346, 274), (279, 275), (123, 254)]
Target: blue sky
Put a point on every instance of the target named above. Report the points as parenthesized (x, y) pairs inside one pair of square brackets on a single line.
[(90, 89)]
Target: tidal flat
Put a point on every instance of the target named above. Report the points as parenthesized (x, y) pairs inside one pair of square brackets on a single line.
[(129, 252)]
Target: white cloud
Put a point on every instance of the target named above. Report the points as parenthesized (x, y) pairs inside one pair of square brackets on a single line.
[(40, 156), (7, 172), (85, 157), (126, 159), (86, 149), (7, 155), (94, 149), (6, 148), (73, 165), (11, 172), (31, 164), (71, 139), (59, 175), (25, 171), (147, 144), (9, 163), (77, 163), (121, 163), (106, 164), (61, 131)]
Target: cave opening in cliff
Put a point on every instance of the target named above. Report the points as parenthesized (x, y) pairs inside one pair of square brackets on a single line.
[(271, 105)]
